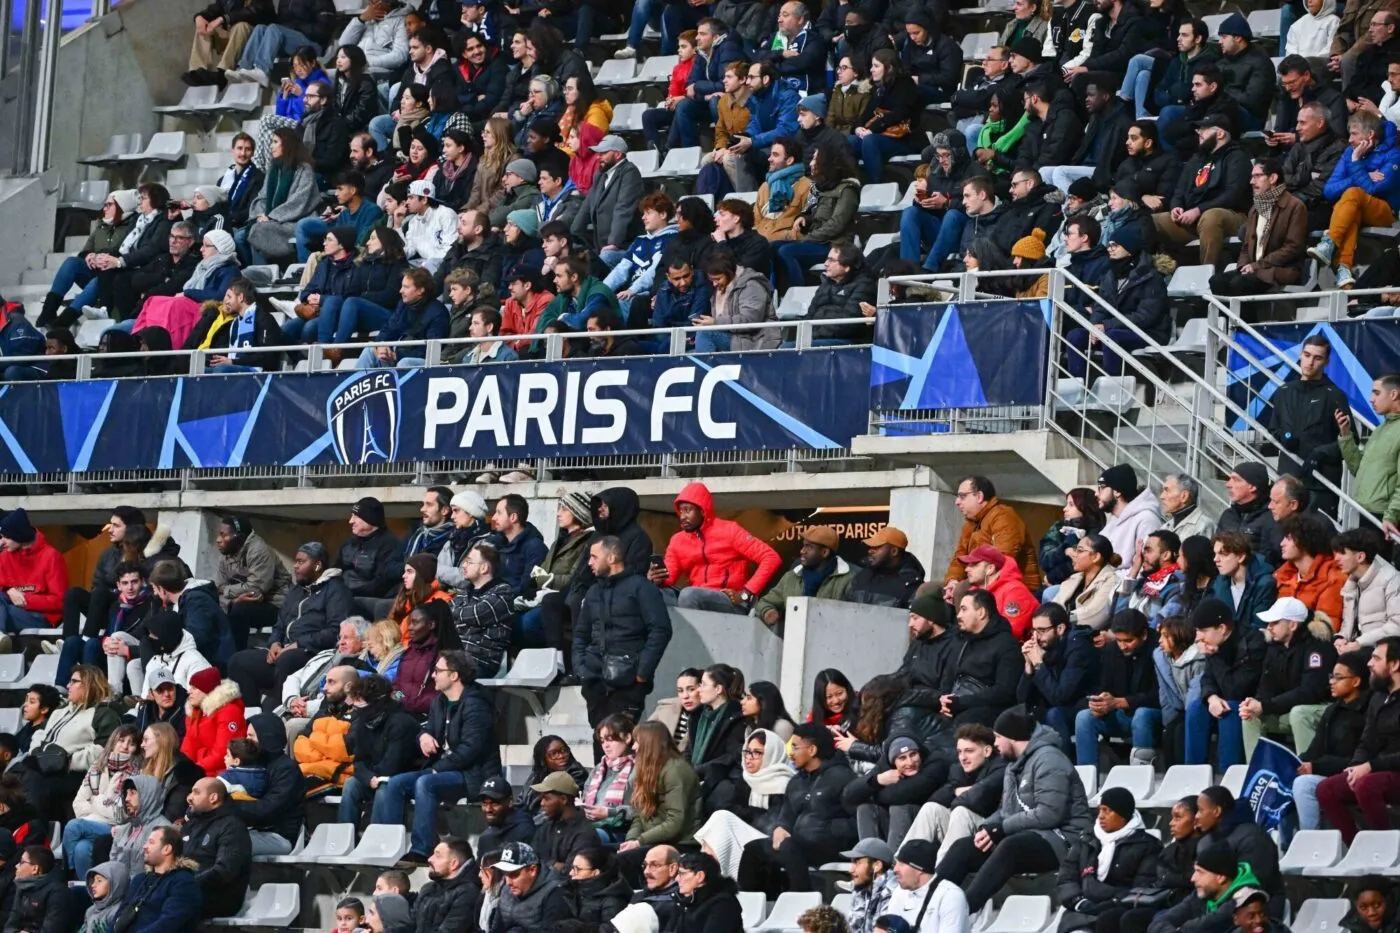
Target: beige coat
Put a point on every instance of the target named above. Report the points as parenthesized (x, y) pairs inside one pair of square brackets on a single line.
[(1371, 606), (1093, 607)]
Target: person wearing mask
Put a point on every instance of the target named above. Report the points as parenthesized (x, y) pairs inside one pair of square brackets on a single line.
[(217, 841), (1234, 661)]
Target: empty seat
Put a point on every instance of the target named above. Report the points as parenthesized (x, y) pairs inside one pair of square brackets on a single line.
[(1022, 913), (1089, 777), (299, 846), (627, 118), (616, 71), (753, 905), (163, 149), (89, 195), (645, 161), (879, 241), (118, 147), (976, 45), (244, 97), (327, 841), (44, 670), (272, 905), (1069, 395), (1372, 852), (1321, 915), (881, 197), (382, 846), (534, 668), (657, 69), (192, 101), (795, 302), (1311, 848), (1233, 781), (11, 673), (9, 718), (1136, 778), (788, 907), (1179, 781), (1190, 281), (1113, 394), (842, 903), (681, 163), (1265, 24)]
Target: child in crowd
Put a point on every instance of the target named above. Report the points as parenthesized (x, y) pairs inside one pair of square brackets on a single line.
[(350, 916), (243, 774)]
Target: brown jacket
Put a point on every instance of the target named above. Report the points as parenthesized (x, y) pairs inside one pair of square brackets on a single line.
[(779, 226), (733, 120), (845, 108), (1283, 250), (1351, 34), (999, 526)]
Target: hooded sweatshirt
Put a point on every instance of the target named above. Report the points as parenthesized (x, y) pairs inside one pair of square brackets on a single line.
[(1139, 518), (39, 571), (103, 912), (129, 836), (717, 555)]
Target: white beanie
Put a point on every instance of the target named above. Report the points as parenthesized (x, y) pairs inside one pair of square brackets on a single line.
[(221, 240), (211, 193), (470, 501), (636, 918), (127, 199)]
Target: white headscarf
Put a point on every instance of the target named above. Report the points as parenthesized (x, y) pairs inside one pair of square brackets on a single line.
[(1108, 842), (774, 770)]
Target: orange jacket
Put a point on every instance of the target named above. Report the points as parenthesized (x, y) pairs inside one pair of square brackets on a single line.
[(438, 594), (322, 751), (999, 526), (1321, 591)]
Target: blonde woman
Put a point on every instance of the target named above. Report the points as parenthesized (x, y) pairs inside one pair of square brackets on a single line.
[(162, 759), (497, 151), (385, 648), (1029, 19)]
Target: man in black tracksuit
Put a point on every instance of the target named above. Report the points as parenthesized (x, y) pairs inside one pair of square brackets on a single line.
[(622, 631), (1305, 423), (218, 840)]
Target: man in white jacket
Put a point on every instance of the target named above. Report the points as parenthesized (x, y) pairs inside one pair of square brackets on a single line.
[(1133, 512), (926, 904), (430, 228)]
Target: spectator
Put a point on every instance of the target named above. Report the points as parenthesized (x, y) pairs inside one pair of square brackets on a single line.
[(551, 754), (872, 883), (928, 665), (505, 823), (891, 572), (166, 896), (302, 692), (1043, 803), (989, 569), (251, 579), (1308, 430), (1372, 906), (168, 290), (735, 234), (1209, 199), (1088, 594), (114, 223), (296, 26), (706, 899), (660, 891), (847, 289), (218, 842), (371, 562), (970, 794), (419, 586), (214, 714), (819, 573), (1103, 866), (106, 885), (429, 227), (784, 193), (174, 772), (1181, 509), (451, 900), (1375, 468), (389, 913), (986, 520), (1293, 685), (1359, 199), (1248, 512), (382, 737), (519, 193), (772, 109), (578, 295), (32, 574), (1371, 593), (1336, 737), (1061, 664), (798, 52), (1234, 653), (1308, 571), (719, 49), (1081, 515), (319, 744), (560, 199), (748, 810), (1132, 511), (886, 800), (142, 799), (288, 194), (609, 783), (713, 554), (988, 664), (459, 742), (520, 545), (481, 614), (1138, 294), (1152, 583), (98, 805), (1221, 825), (679, 713), (665, 797), (481, 72), (1368, 782), (1127, 702), (308, 622), (220, 32), (1276, 261), (166, 703), (381, 36), (352, 209), (68, 741), (827, 220), (436, 512), (920, 900), (607, 219), (890, 124), (932, 58), (497, 151), (469, 525), (41, 899), (937, 199), (564, 830), (1103, 147)]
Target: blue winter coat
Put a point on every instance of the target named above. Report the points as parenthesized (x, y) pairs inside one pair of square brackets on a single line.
[(379, 282), (333, 277), (673, 309), (427, 321), (206, 622), (217, 285), (1260, 591), (1385, 158), (19, 337), (518, 557), (293, 107), (170, 903), (772, 115), (707, 77)]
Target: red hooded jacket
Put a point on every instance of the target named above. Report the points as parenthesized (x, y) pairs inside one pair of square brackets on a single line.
[(1014, 599), (40, 572), (717, 557), (210, 725)]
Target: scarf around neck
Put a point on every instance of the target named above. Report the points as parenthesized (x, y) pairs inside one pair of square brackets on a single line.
[(134, 237), (206, 268), (612, 796), (774, 771), (1108, 842), (780, 191), (1152, 587), (1265, 203)]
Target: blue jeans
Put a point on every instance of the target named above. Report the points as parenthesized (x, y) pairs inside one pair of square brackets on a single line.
[(353, 797), (1144, 725), (611, 257), (713, 341), (72, 272), (1137, 82), (917, 226), (655, 122), (792, 260), (79, 650), (1061, 719), (644, 13), (946, 243), (268, 42), (368, 360), (1168, 117), (14, 618), (691, 115), (529, 629), (22, 372), (1230, 735), (425, 789), (381, 127), (358, 314), (1077, 363), (676, 18), (77, 844), (875, 150), (1306, 812)]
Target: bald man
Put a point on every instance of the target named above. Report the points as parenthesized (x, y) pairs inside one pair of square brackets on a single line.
[(660, 868), (332, 720), (218, 841)]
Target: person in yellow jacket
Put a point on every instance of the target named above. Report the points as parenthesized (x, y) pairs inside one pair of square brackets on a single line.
[(320, 751)]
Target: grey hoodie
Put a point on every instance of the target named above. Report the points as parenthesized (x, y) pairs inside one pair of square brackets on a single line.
[(748, 300), (129, 836), (103, 912), (1042, 794)]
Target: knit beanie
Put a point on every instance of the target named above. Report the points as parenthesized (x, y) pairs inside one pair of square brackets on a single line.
[(346, 236), (1014, 724), (527, 220), (1218, 860), (1235, 25), (931, 606), (205, 681), (1083, 189), (1119, 800), (1031, 246), (1253, 473), (126, 199), (471, 502), (371, 510), (1120, 478), (211, 193), (578, 505), (15, 526)]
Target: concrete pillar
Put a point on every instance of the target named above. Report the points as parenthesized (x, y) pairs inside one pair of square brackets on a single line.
[(194, 530), (932, 521)]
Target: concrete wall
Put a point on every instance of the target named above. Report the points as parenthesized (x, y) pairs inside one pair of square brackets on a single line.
[(699, 639), (27, 207), (860, 641)]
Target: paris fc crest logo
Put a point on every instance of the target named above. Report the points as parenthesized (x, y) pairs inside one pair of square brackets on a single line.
[(364, 418)]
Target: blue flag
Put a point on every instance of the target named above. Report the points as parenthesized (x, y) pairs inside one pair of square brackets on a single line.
[(1267, 794)]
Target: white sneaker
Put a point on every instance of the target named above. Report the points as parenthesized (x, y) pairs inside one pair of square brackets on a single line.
[(50, 646), (256, 75), (625, 52), (487, 478), (95, 313), (517, 476)]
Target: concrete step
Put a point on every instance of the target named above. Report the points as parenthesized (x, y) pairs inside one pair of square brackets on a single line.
[(36, 278), (217, 159), (74, 243), (53, 260)]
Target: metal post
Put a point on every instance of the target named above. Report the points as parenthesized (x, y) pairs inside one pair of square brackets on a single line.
[(7, 15), (28, 72), (43, 89)]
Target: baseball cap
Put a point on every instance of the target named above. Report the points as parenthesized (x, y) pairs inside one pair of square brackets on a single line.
[(495, 789), (610, 143), (877, 849), (984, 552), (1248, 895), (421, 188), (516, 856), (824, 535), (1287, 607), (557, 782), (1217, 121), (888, 535)]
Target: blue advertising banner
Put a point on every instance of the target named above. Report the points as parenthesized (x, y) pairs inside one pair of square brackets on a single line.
[(1361, 350), (975, 354), (644, 405)]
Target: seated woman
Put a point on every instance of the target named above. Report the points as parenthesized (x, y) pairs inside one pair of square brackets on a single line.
[(595, 892), (883, 715), (456, 169), (213, 715), (354, 92), (218, 266), (741, 295), (147, 242), (384, 646), (608, 791), (419, 586), (551, 754), (411, 113), (1081, 515), (763, 708), (381, 265), (1105, 864), (1175, 863), (834, 701), (748, 812), (830, 219), (288, 194), (78, 732), (665, 800), (288, 103), (886, 800), (678, 713), (335, 280), (717, 734), (543, 102), (422, 149), (443, 113), (497, 151), (162, 759), (1089, 592), (98, 805), (583, 104), (890, 125), (101, 248)]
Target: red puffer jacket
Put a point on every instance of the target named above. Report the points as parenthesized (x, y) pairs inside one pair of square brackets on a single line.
[(209, 727), (717, 556)]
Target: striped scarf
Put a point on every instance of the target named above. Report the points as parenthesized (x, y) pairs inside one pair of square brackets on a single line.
[(1264, 203), (611, 796)]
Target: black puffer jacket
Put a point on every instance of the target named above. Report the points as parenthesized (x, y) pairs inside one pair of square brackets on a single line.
[(219, 842), (904, 719), (450, 904), (597, 900), (929, 665), (984, 787), (384, 740), (917, 788), (1051, 141), (282, 809), (888, 588), (713, 908), (623, 508), (986, 673), (1116, 43), (1141, 297), (622, 614), (542, 906), (1080, 890), (813, 812), (373, 566), (1338, 735), (311, 614), (837, 300), (1249, 79), (466, 736), (42, 905), (1042, 208)]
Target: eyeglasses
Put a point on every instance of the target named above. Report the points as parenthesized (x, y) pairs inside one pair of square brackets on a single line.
[(750, 753), (442, 670), (1339, 677)]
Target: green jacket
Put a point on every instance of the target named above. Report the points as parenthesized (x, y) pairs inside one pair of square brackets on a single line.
[(832, 219), (836, 586), (590, 290), (678, 813), (1377, 468)]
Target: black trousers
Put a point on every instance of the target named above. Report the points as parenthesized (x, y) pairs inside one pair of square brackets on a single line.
[(603, 701), (557, 622), (1016, 854), (96, 605), (243, 618), (256, 677)]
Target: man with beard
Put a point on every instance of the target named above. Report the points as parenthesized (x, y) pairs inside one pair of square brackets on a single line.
[(1208, 97), (451, 900), (364, 158), (1101, 148), (1210, 199), (478, 248), (566, 831), (432, 534), (1372, 782), (820, 572), (1268, 264), (218, 842), (872, 883), (1312, 156), (988, 663), (989, 569), (324, 131), (319, 746), (1151, 582), (933, 648), (1061, 665), (891, 573)]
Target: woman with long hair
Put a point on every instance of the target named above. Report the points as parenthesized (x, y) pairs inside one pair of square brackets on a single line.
[(456, 168), (289, 101), (763, 708), (421, 157), (385, 646), (583, 104), (1090, 591), (382, 264), (665, 799), (162, 759), (98, 805), (78, 733), (883, 714), (828, 218), (444, 109), (607, 791), (354, 92), (595, 892), (890, 125), (717, 735), (288, 194), (996, 142), (746, 816), (1196, 572), (497, 151), (679, 713), (1082, 515), (413, 112), (834, 700), (1179, 664), (419, 585)]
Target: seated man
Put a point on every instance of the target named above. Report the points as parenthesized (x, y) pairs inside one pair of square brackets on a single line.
[(526, 878), (505, 822), (872, 882), (819, 573), (166, 892), (302, 690), (772, 116), (1369, 783), (1293, 686), (1028, 832), (986, 668), (1061, 664), (1216, 875), (993, 571), (460, 744), (937, 199), (921, 897), (217, 841), (1211, 197), (577, 295), (565, 831), (713, 554), (518, 542), (251, 578), (1337, 737), (33, 576), (970, 795), (1234, 661), (989, 521), (1151, 582), (847, 288), (1364, 190), (198, 606), (319, 746), (891, 573), (451, 900), (483, 609), (371, 559), (1266, 265), (1126, 702), (39, 900)]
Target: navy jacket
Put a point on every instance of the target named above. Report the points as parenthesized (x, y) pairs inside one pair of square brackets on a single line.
[(169, 903), (466, 736), (707, 76), (428, 320), (205, 620), (372, 565), (670, 308), (520, 556), (805, 72), (1141, 298), (1068, 675), (333, 277), (19, 337), (378, 282)]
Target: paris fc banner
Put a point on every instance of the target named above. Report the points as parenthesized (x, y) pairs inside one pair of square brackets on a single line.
[(594, 407), (1267, 793)]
